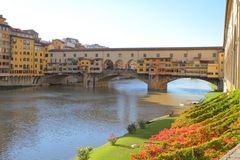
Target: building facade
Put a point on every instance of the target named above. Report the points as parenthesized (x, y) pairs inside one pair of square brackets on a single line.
[(5, 50), (232, 45)]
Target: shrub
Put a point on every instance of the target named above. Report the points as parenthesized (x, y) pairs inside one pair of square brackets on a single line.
[(142, 124), (113, 139), (131, 128), (83, 153)]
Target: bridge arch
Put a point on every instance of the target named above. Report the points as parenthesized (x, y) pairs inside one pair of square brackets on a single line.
[(215, 81), (108, 64), (119, 64), (132, 64)]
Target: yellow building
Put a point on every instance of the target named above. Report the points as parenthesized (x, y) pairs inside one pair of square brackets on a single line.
[(5, 51), (84, 64), (39, 59), (90, 65), (56, 44), (22, 63)]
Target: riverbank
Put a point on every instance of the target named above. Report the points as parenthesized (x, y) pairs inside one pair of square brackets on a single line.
[(122, 149)]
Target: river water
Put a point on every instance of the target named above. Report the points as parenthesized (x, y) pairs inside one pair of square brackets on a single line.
[(50, 123)]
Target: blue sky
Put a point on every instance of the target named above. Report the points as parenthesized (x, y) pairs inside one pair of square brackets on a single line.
[(122, 23)]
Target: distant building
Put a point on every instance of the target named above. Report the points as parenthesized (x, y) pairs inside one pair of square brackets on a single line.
[(34, 33), (72, 43), (94, 46), (56, 44), (66, 43)]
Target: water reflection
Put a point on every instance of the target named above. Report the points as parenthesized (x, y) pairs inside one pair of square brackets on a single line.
[(51, 122)]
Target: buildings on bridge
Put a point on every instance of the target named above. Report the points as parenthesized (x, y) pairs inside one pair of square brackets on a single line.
[(197, 67), (188, 61), (232, 45)]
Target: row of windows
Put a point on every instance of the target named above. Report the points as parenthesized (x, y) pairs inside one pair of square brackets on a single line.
[(175, 65), (4, 50), (28, 60), (4, 63), (24, 47), (3, 28), (16, 66), (21, 35), (64, 69), (4, 57), (28, 53), (25, 42), (174, 71), (2, 70), (24, 71), (4, 43), (4, 35), (214, 55)]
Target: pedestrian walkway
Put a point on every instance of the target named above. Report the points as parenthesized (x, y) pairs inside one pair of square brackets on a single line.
[(233, 154)]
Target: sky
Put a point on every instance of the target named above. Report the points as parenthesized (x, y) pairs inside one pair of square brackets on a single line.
[(122, 23)]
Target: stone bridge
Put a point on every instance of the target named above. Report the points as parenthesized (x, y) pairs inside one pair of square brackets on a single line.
[(155, 82), (20, 81)]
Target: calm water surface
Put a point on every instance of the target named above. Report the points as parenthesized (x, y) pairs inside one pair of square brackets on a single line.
[(50, 123)]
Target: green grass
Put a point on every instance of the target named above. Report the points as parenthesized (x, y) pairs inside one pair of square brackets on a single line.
[(122, 149), (211, 95), (214, 87)]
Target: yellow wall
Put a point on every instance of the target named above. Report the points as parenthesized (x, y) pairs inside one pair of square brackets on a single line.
[(213, 70), (39, 59), (22, 63)]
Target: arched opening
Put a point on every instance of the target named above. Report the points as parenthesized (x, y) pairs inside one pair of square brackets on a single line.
[(119, 64), (132, 65), (130, 86), (190, 86), (108, 65)]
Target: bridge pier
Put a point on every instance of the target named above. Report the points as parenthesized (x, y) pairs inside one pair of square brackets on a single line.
[(220, 85), (157, 83)]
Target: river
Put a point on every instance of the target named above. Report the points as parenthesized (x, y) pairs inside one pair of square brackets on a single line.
[(50, 123)]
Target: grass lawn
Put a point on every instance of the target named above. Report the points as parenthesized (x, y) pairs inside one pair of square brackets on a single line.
[(122, 149), (211, 95)]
